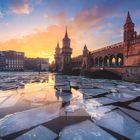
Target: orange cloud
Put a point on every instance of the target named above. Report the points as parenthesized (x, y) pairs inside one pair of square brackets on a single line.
[(40, 43), (82, 29)]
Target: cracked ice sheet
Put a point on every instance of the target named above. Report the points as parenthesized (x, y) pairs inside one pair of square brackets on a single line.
[(93, 92), (100, 101), (2, 99), (38, 133), (10, 101), (120, 96), (121, 123), (135, 105), (27, 119), (85, 130), (98, 112), (134, 114), (7, 93)]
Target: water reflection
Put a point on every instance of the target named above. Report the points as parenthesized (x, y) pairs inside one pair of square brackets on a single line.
[(35, 94)]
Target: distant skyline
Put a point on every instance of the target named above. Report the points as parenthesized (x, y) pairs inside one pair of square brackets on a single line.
[(34, 26)]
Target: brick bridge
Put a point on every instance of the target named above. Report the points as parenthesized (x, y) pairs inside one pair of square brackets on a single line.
[(121, 59)]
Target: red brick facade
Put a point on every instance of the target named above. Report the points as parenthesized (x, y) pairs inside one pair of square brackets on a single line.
[(122, 58)]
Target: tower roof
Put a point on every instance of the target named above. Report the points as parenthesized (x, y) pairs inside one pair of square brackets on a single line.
[(66, 34), (85, 47), (57, 44), (128, 19)]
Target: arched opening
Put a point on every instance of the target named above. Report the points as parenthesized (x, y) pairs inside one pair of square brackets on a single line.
[(92, 62), (120, 60), (104, 74), (100, 61), (112, 61), (106, 61), (96, 62)]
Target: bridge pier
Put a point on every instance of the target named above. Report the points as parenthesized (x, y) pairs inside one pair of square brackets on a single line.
[(132, 74)]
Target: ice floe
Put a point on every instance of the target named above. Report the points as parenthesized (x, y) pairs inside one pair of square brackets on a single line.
[(97, 112), (71, 108), (38, 133), (27, 119), (11, 100), (135, 105), (134, 114), (121, 123), (86, 130), (121, 96), (100, 101), (93, 92)]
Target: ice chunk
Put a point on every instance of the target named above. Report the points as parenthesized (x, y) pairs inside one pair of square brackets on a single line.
[(38, 133), (135, 105), (7, 93), (134, 114), (102, 100), (137, 89), (93, 92), (121, 86), (121, 96), (10, 101), (85, 130), (97, 112), (78, 113), (121, 123), (29, 118), (2, 99), (71, 108)]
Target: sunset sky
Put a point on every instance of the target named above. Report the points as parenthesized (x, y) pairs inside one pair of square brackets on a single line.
[(34, 26)]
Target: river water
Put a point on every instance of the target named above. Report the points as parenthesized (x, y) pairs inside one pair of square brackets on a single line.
[(52, 106)]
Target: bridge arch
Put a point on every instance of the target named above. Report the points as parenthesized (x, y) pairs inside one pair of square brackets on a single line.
[(112, 61), (106, 74), (96, 61), (106, 61), (101, 61), (119, 59), (92, 62)]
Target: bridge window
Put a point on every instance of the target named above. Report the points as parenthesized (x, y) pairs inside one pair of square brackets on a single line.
[(106, 61)]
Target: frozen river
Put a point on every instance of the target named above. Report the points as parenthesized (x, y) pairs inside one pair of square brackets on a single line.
[(49, 106)]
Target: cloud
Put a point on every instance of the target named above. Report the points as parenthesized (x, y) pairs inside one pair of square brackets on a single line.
[(88, 25), (42, 43), (20, 7), (1, 14)]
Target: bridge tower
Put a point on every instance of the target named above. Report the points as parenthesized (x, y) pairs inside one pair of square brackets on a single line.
[(131, 52), (85, 63), (129, 33), (66, 53), (57, 57)]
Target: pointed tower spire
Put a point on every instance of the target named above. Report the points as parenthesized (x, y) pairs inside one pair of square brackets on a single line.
[(128, 19), (57, 43), (85, 47), (66, 33)]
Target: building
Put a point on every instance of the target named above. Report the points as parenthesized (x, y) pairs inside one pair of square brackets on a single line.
[(44, 64), (2, 61), (63, 56), (11, 61), (36, 64), (122, 59), (57, 58)]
